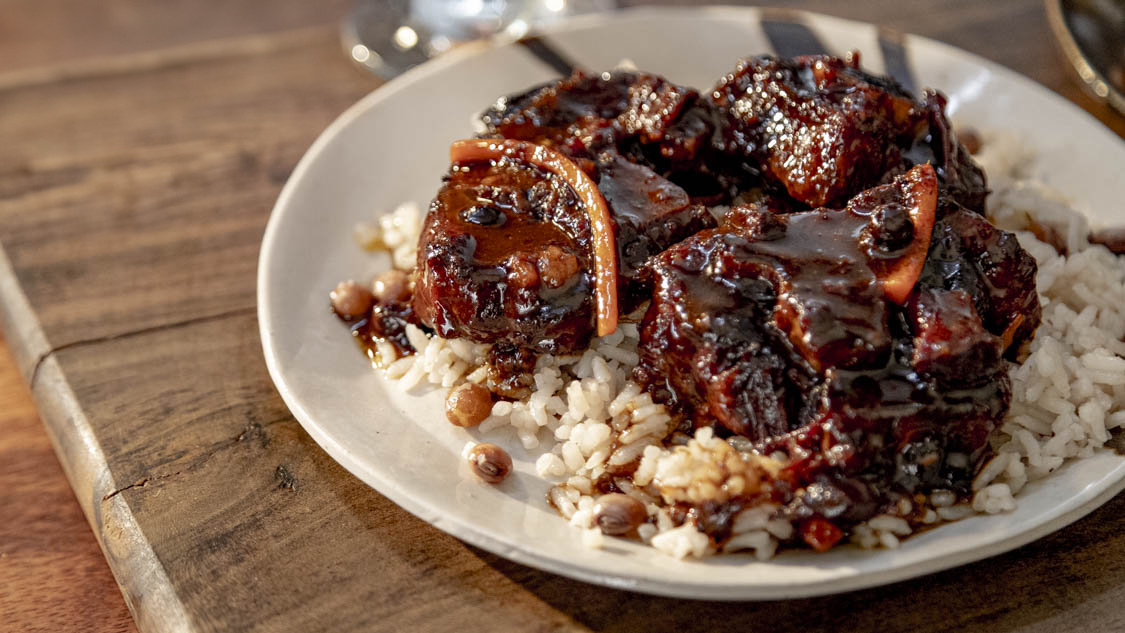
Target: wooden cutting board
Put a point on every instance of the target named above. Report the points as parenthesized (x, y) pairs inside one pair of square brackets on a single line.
[(133, 196)]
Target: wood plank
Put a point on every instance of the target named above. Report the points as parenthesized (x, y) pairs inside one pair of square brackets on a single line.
[(252, 522), (34, 33), (52, 574), (144, 205)]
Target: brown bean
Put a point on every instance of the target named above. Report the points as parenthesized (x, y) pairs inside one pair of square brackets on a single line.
[(970, 139), (391, 286), (351, 300), (618, 514), (468, 405), (1049, 234), (490, 462), (1111, 238), (521, 272), (556, 266)]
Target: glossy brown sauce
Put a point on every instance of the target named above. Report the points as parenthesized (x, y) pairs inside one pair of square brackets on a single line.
[(829, 300), (386, 323), (489, 203), (494, 240)]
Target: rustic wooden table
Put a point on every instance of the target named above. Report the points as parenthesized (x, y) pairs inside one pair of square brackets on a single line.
[(143, 144)]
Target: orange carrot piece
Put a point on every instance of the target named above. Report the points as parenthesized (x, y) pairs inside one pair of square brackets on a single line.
[(820, 534), (601, 224), (1010, 332), (922, 207)]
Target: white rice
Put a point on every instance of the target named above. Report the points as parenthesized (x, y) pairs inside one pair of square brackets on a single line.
[(585, 414)]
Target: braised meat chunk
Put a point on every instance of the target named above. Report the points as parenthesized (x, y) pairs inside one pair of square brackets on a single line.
[(651, 213), (820, 130), (708, 348), (969, 253), (828, 336), (648, 119), (584, 115), (963, 181), (745, 317), (505, 255), (576, 115), (950, 341), (509, 253), (896, 429), (817, 127)]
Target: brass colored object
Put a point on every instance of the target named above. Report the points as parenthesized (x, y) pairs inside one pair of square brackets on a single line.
[(1091, 34)]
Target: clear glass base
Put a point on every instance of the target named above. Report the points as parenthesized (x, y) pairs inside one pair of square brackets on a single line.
[(388, 37)]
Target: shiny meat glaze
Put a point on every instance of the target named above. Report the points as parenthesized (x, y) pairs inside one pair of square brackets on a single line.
[(651, 214), (821, 131), (644, 117), (968, 253), (963, 181), (585, 115), (505, 250), (775, 327), (505, 255), (744, 317)]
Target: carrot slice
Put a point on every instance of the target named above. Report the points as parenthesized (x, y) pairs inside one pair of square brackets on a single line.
[(820, 534), (601, 225), (1009, 334), (921, 197)]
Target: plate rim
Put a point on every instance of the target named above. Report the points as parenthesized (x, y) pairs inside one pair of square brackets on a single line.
[(464, 530)]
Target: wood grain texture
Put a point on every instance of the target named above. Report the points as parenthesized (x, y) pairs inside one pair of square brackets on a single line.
[(52, 575), (35, 33), (145, 206), (132, 222)]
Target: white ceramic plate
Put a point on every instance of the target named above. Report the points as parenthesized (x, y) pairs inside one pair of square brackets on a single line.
[(392, 146)]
